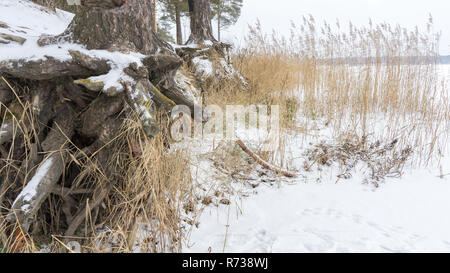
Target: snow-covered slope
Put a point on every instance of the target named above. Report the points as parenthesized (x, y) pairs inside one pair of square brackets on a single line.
[(25, 17), (28, 20)]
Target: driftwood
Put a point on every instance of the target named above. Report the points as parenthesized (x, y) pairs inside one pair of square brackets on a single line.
[(263, 163), (13, 38), (165, 63), (99, 195), (141, 102)]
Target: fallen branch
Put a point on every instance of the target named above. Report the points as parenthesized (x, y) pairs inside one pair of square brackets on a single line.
[(13, 38), (263, 163), (36, 191)]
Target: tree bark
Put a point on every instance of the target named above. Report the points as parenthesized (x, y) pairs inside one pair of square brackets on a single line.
[(124, 27), (219, 17), (200, 15), (178, 23), (155, 20)]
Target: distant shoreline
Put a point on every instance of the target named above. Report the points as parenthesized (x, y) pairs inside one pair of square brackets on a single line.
[(443, 59)]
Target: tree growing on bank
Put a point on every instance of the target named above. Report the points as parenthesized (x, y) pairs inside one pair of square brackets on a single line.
[(200, 16)]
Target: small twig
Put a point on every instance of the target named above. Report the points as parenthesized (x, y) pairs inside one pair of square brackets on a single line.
[(263, 163)]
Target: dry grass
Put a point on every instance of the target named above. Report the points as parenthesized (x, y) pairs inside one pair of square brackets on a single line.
[(272, 77), (389, 83), (146, 208), (381, 159), (353, 79), (143, 211), (14, 173)]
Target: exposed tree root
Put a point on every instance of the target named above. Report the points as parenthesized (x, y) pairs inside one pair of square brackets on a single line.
[(47, 175), (81, 65), (64, 148)]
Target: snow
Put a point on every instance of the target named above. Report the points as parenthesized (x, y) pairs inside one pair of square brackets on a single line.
[(26, 17), (311, 213), (118, 63), (408, 215), (30, 189), (203, 66), (28, 20)]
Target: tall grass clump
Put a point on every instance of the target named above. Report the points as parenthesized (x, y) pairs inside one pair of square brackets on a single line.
[(380, 80), (148, 205), (271, 73)]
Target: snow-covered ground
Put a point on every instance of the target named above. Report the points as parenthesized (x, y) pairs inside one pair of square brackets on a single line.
[(317, 213), (403, 215), (407, 214)]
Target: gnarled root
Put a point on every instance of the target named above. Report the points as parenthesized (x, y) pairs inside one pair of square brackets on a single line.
[(28, 202)]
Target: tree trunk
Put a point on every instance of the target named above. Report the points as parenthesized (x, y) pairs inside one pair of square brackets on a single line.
[(155, 20), (200, 15), (129, 26), (178, 23), (219, 15)]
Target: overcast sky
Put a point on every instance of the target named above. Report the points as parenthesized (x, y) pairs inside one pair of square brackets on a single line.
[(277, 14)]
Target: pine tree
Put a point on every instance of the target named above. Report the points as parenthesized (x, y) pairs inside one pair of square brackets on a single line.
[(200, 15), (172, 12), (226, 12)]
